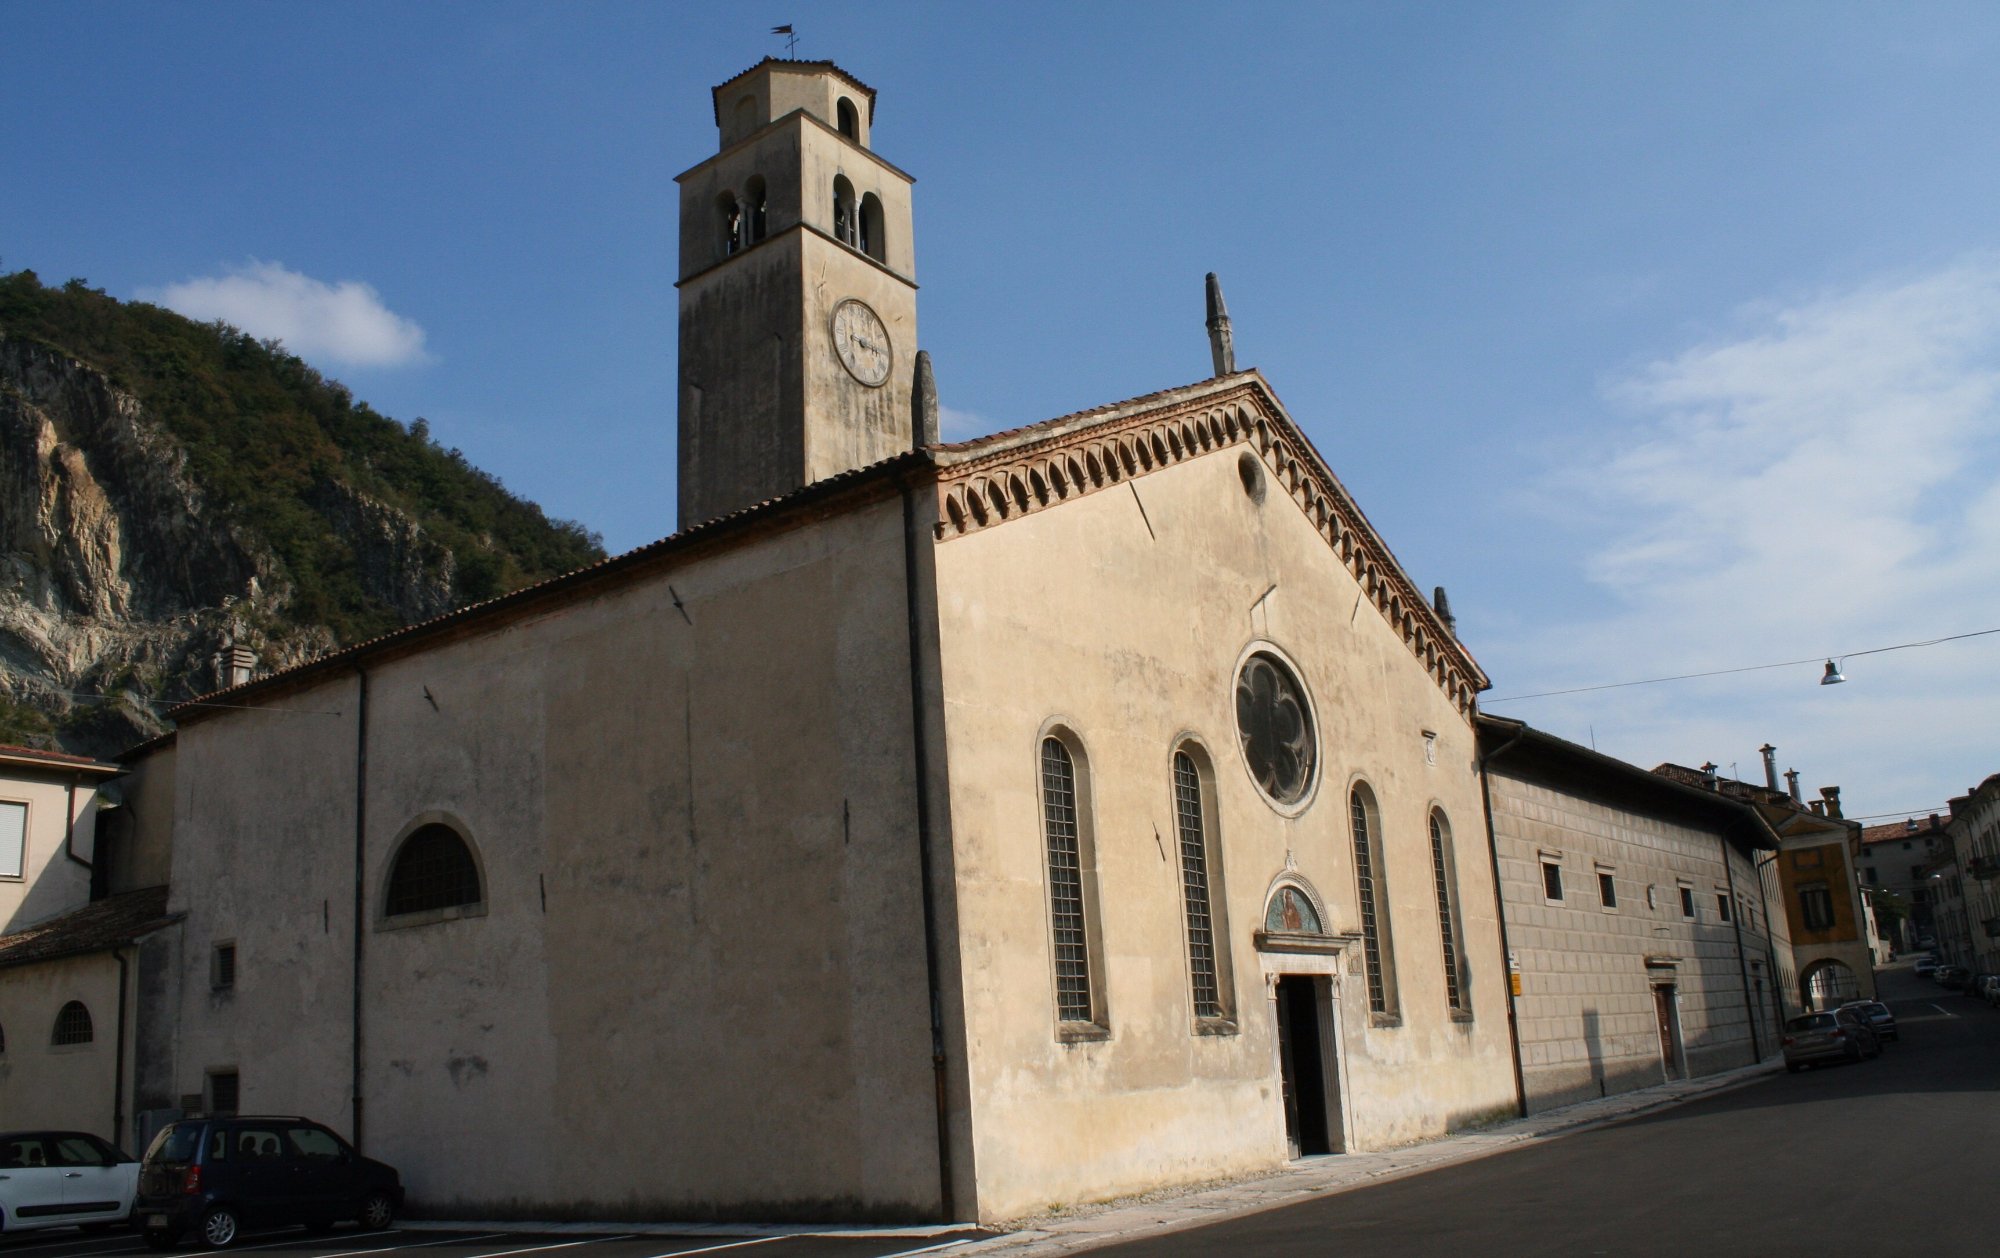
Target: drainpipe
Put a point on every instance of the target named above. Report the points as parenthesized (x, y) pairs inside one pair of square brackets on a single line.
[(1500, 912), (921, 755), (118, 1077), (360, 891), (1742, 966)]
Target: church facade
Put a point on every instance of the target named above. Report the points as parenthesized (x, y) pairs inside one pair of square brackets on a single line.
[(924, 830)]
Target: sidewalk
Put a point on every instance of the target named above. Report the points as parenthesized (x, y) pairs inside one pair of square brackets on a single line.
[(1172, 1211)]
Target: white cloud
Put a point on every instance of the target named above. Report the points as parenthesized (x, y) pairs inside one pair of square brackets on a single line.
[(957, 425), (343, 322), (1827, 479)]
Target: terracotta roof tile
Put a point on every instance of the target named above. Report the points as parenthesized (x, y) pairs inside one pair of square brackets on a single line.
[(104, 924)]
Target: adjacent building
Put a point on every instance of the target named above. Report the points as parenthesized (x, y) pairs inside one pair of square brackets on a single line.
[(1961, 889), (1894, 858), (1635, 918)]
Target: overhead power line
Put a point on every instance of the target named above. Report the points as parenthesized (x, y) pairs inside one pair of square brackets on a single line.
[(1748, 668)]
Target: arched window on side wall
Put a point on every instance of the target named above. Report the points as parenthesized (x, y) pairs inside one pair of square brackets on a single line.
[(1072, 878), (846, 214), (746, 116), (433, 870), (1201, 886), (847, 119), (1377, 946), (73, 1026), (1444, 879), (873, 242)]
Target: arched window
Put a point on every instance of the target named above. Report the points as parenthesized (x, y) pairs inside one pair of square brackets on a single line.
[(433, 870), (873, 242), (1208, 969), (755, 204), (729, 223), (846, 214), (1377, 949), (746, 117), (72, 1026), (1072, 890), (1445, 882), (847, 119)]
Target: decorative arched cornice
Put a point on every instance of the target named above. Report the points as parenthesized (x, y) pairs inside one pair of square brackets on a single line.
[(985, 483)]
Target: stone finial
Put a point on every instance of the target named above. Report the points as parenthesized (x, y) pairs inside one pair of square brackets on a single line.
[(1221, 343), (924, 403), (1443, 606)]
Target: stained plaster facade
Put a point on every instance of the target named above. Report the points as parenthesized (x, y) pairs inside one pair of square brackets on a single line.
[(1598, 971), (1974, 832)]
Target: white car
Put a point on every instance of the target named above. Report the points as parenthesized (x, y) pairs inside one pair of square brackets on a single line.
[(63, 1179)]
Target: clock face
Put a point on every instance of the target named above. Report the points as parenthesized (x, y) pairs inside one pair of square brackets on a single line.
[(862, 342)]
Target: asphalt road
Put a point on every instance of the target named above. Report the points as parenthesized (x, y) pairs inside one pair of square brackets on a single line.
[(1894, 1156), (293, 1243)]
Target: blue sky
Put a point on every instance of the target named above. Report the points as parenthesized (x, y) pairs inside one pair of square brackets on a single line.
[(1666, 336)]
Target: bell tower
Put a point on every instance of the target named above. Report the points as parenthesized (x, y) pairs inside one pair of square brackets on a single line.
[(798, 293)]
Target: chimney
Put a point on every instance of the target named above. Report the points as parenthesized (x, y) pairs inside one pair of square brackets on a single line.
[(1910, 826), (1937, 822), (1443, 606), (1831, 794), (239, 663), (1792, 784), (1817, 806), (924, 403), (1770, 765), (1221, 343)]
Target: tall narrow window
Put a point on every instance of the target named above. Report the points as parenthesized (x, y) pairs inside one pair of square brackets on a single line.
[(13, 839), (1066, 918), (1194, 888), (873, 241), (1441, 878), (756, 202), (846, 214), (1377, 950)]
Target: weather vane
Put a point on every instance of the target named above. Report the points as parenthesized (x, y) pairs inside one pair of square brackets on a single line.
[(791, 40)]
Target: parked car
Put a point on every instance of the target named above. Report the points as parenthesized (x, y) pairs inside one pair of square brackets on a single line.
[(1878, 1017), (1926, 965), (1987, 988), (1952, 977), (1834, 1035), (63, 1179), (218, 1177)]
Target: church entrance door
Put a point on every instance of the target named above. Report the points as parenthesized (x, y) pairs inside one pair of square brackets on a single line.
[(1304, 1064)]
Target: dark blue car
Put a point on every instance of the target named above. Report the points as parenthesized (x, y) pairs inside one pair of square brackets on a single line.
[(216, 1178)]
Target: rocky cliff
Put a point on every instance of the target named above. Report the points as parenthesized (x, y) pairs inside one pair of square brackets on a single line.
[(124, 574)]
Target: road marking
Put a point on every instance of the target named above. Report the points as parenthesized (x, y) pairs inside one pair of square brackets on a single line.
[(1946, 1012), (536, 1249), (449, 1240), (930, 1249), (761, 1240)]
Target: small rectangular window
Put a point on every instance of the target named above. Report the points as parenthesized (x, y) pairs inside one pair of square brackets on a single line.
[(222, 968), (1607, 889), (1552, 880), (223, 1088), (1687, 901), (13, 840), (1722, 904), (1868, 876)]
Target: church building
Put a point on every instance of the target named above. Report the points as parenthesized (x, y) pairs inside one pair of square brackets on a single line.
[(923, 831)]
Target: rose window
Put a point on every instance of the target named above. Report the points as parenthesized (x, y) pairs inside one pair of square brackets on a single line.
[(1274, 726)]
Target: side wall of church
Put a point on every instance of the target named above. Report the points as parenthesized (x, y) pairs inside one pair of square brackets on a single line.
[(1120, 617), (70, 1086), (696, 983)]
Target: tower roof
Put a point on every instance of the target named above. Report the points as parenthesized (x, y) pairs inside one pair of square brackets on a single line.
[(803, 67)]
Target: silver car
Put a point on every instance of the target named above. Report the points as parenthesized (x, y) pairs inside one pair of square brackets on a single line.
[(1835, 1035)]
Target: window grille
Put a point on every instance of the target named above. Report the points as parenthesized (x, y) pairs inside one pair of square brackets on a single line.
[(1072, 947), (1607, 890), (1722, 904), (434, 870), (1552, 880), (73, 1025), (224, 1088), (1194, 888), (225, 966), (1687, 901), (1447, 926), (1365, 879)]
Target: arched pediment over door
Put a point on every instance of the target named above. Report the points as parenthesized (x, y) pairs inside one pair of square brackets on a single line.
[(1296, 920)]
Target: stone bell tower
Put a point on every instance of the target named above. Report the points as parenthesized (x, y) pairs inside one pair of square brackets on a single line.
[(798, 293)]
